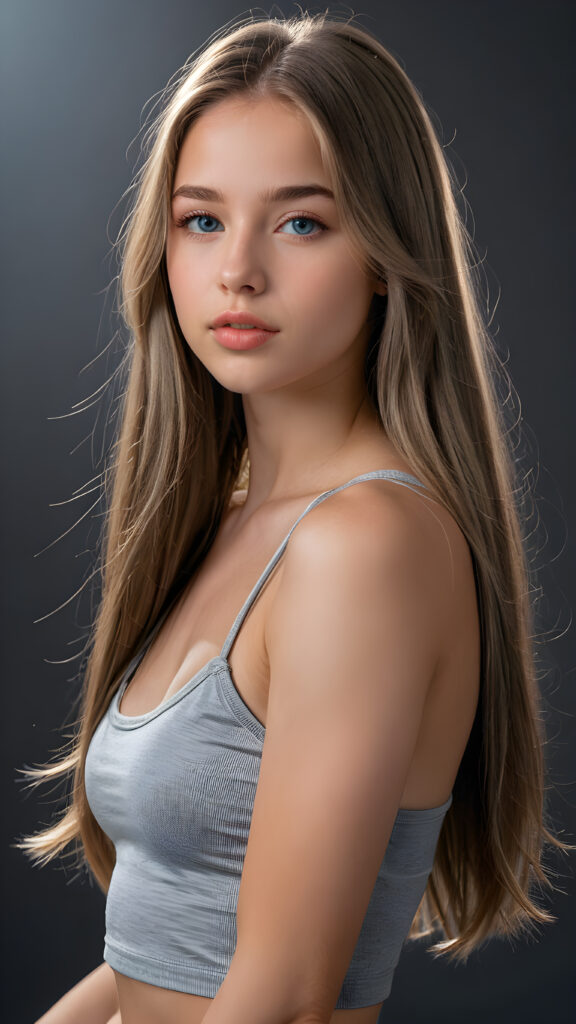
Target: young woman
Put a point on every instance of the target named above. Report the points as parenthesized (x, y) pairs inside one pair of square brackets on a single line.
[(310, 720)]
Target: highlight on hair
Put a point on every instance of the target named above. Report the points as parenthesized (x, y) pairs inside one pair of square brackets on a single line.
[(431, 372)]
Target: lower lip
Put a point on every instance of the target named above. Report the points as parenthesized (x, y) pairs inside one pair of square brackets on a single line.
[(235, 337)]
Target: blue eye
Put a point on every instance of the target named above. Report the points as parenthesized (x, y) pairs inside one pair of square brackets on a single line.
[(206, 223), (302, 224)]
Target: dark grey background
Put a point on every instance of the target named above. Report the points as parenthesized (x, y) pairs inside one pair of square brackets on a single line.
[(76, 76)]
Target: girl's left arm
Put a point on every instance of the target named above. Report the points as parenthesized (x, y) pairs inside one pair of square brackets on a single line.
[(353, 642)]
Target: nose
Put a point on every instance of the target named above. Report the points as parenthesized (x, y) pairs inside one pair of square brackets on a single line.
[(241, 268)]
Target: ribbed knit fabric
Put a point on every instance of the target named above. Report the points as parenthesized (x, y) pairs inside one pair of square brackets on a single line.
[(174, 790)]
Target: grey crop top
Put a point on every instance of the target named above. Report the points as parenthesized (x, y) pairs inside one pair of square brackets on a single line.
[(174, 790)]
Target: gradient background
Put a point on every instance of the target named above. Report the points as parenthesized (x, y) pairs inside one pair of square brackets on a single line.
[(76, 78)]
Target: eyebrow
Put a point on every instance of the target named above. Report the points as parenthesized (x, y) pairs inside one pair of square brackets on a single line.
[(273, 195)]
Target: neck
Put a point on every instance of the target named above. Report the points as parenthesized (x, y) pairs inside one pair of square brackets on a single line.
[(299, 443)]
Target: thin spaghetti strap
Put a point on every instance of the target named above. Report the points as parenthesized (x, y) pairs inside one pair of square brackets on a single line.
[(394, 475)]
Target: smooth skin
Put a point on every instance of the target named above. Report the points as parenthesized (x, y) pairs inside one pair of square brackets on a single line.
[(362, 656)]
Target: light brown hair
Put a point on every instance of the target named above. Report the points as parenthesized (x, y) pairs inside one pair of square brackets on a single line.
[(430, 371)]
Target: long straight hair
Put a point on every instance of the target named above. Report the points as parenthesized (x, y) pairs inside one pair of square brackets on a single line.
[(431, 372)]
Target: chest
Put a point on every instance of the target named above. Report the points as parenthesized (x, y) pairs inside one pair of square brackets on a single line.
[(198, 625)]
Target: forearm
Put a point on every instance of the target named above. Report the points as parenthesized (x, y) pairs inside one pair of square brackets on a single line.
[(94, 1000)]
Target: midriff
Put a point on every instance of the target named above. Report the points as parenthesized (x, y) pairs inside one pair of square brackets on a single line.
[(141, 1003)]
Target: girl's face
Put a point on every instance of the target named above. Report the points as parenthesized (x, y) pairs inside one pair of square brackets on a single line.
[(255, 230)]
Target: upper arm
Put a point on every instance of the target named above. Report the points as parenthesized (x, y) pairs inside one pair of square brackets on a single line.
[(353, 642)]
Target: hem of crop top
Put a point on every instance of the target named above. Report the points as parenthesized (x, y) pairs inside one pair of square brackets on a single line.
[(194, 980)]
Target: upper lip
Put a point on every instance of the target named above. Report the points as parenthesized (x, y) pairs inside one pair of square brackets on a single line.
[(238, 317)]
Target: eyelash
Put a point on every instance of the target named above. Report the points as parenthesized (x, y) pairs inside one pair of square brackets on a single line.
[(183, 222)]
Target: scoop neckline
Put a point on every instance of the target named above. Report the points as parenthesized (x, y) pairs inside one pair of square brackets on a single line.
[(134, 721)]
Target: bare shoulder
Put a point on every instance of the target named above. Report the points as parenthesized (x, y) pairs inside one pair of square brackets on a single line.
[(377, 559), (381, 524)]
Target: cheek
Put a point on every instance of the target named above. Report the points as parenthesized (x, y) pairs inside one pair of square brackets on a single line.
[(186, 287), (338, 290), (186, 265)]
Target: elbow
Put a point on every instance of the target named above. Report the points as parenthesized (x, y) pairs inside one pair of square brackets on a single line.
[(250, 995)]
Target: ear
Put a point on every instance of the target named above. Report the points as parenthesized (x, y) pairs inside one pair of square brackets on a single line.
[(380, 286)]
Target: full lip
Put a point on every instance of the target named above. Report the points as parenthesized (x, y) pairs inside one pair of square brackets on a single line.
[(239, 317)]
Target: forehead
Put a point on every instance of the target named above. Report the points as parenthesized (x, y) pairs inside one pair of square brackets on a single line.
[(260, 138)]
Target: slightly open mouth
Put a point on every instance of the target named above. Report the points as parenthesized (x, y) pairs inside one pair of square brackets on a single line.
[(245, 327)]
